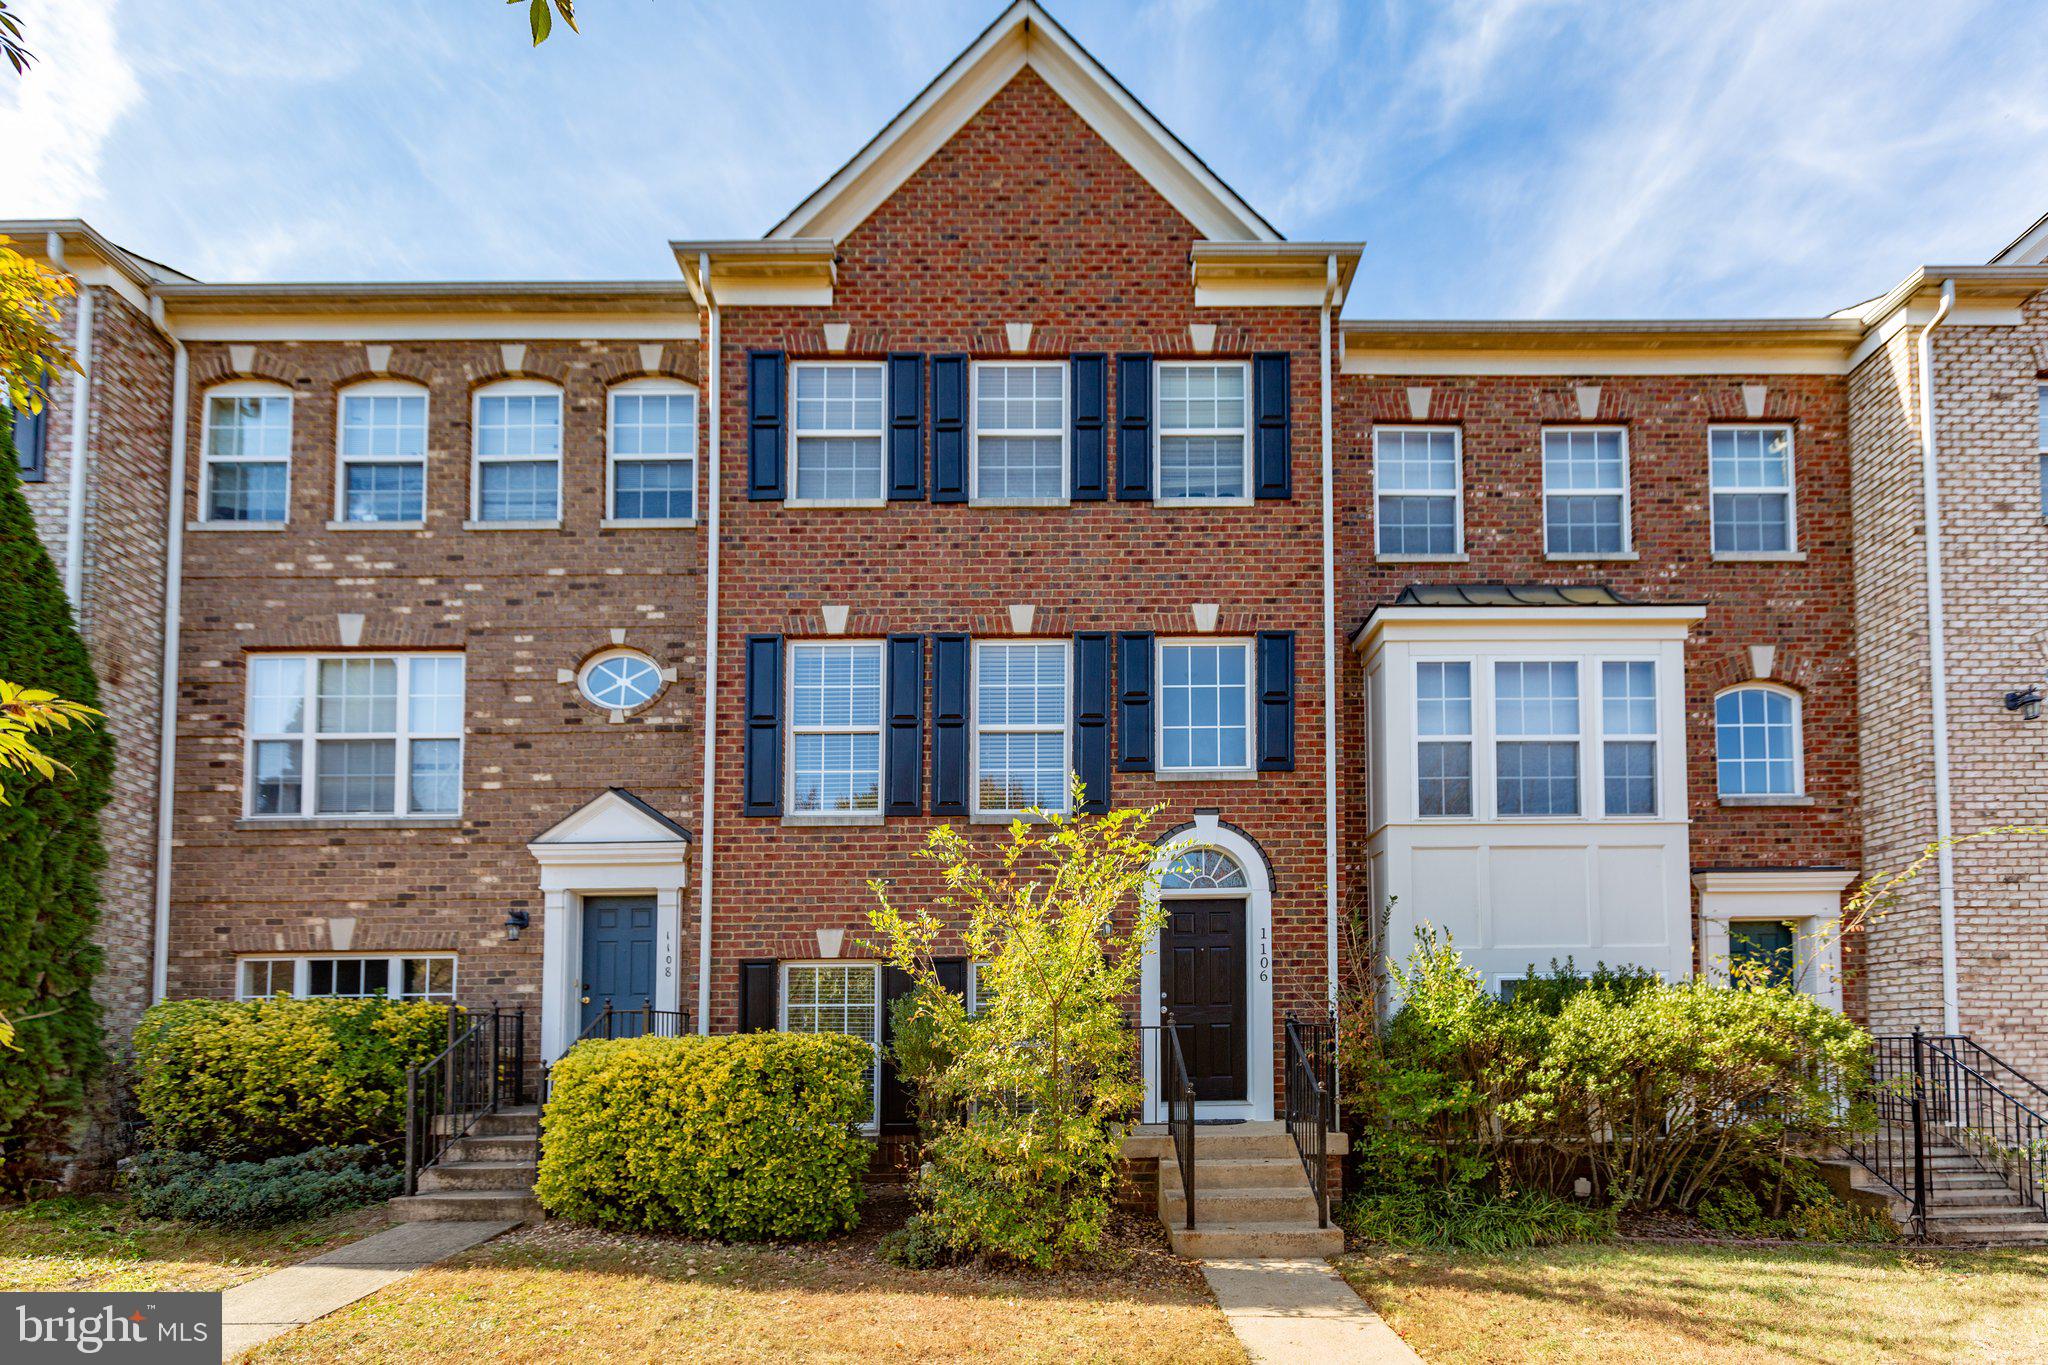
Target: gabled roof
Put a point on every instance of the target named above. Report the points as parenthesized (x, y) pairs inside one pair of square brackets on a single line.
[(2029, 248), (614, 816), (1025, 35)]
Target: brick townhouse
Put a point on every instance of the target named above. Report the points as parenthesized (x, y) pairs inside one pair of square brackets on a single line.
[(553, 644)]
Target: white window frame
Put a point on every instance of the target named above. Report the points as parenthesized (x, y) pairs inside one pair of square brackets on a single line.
[(974, 728), (880, 729), (1596, 715), (1160, 432), (880, 497), (302, 973), (975, 433), (242, 388), (310, 734), (1798, 795), (663, 677), (1456, 493), (649, 384), (1626, 493), (974, 1001), (874, 1122), (1578, 737), (1249, 768), (1790, 492), (514, 388), (1470, 739), (378, 388)]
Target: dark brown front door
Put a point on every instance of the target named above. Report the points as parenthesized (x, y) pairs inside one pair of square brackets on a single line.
[(1201, 956)]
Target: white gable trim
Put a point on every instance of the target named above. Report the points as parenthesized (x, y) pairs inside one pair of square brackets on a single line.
[(608, 819), (2029, 248), (1023, 36)]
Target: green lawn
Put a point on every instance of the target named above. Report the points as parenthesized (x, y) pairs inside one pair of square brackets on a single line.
[(1634, 1301), (93, 1242)]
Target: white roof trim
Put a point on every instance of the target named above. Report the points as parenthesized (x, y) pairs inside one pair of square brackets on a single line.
[(607, 820), (2029, 248), (1024, 35)]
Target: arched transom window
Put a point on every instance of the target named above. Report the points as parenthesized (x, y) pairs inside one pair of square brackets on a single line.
[(1204, 869)]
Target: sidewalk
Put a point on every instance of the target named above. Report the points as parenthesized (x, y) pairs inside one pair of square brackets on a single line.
[(254, 1312), (1291, 1311)]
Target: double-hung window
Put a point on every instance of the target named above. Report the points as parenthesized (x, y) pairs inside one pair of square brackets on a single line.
[(1020, 726), (1204, 431), (838, 997), (416, 977), (839, 419), (1757, 742), (835, 709), (518, 453), (383, 451), (1418, 490), (246, 451), (1020, 432), (1628, 736), (354, 735), (2041, 419), (1585, 491), (1443, 749), (1750, 473), (1205, 706), (651, 443), (1536, 745)]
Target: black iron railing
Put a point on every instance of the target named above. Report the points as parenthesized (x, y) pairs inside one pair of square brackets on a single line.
[(1311, 1102), (482, 1068), (1887, 1114), (1991, 1110), (1178, 1092)]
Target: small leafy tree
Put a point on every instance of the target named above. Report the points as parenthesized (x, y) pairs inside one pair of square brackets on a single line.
[(32, 347), (1031, 1095)]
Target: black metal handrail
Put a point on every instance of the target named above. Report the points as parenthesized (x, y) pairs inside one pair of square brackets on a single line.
[(482, 1067), (1985, 1118), (1311, 1100), (1893, 1147), (1178, 1090)]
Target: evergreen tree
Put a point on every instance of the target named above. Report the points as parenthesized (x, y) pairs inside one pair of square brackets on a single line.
[(50, 858)]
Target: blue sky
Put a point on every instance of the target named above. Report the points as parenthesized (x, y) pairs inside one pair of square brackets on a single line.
[(1501, 158)]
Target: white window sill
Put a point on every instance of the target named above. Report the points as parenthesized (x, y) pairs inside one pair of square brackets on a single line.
[(1760, 556), (826, 819), (1611, 557), (1205, 502), (1007, 818), (512, 525), (646, 523), (1206, 775), (349, 822), (235, 525), (1792, 799), (1423, 559), (835, 502), (1017, 502), (376, 526)]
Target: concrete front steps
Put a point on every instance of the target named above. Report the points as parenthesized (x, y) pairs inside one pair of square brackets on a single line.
[(486, 1174), (1252, 1197), (1967, 1201)]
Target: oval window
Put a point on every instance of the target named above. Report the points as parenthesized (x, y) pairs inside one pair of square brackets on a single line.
[(620, 682)]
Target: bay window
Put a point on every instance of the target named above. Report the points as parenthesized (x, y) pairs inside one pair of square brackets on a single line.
[(1536, 749)]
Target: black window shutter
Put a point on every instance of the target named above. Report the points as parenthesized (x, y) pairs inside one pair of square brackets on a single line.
[(767, 450), (906, 427), (1276, 701), (1091, 719), (949, 428), (1273, 438), (1089, 475), (952, 974), (763, 780), (950, 667), (1134, 701), (898, 1116), (31, 441), (906, 725), (1134, 428), (760, 997)]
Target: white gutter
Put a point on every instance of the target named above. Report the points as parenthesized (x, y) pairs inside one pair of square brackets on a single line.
[(1937, 664), (710, 711), (81, 418), (167, 682), (1329, 652)]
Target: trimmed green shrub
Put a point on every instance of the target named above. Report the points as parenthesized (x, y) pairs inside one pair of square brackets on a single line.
[(247, 1079), (743, 1136), (194, 1188), (1464, 1218), (50, 859)]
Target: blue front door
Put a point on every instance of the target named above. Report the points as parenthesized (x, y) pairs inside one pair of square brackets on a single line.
[(618, 954)]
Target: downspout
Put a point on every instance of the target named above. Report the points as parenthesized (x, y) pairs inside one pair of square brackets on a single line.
[(81, 418), (710, 802), (1937, 665), (167, 682), (1330, 688)]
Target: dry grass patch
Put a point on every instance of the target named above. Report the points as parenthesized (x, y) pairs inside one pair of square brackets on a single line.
[(1629, 1302), (94, 1242), (543, 1294)]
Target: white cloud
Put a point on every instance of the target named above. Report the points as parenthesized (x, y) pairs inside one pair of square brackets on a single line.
[(55, 121)]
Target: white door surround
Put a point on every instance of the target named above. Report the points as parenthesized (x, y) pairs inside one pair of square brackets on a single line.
[(616, 844), (1809, 899), (1208, 831)]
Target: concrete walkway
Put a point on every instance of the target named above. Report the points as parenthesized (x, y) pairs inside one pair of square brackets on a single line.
[(1291, 1311), (254, 1312)]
